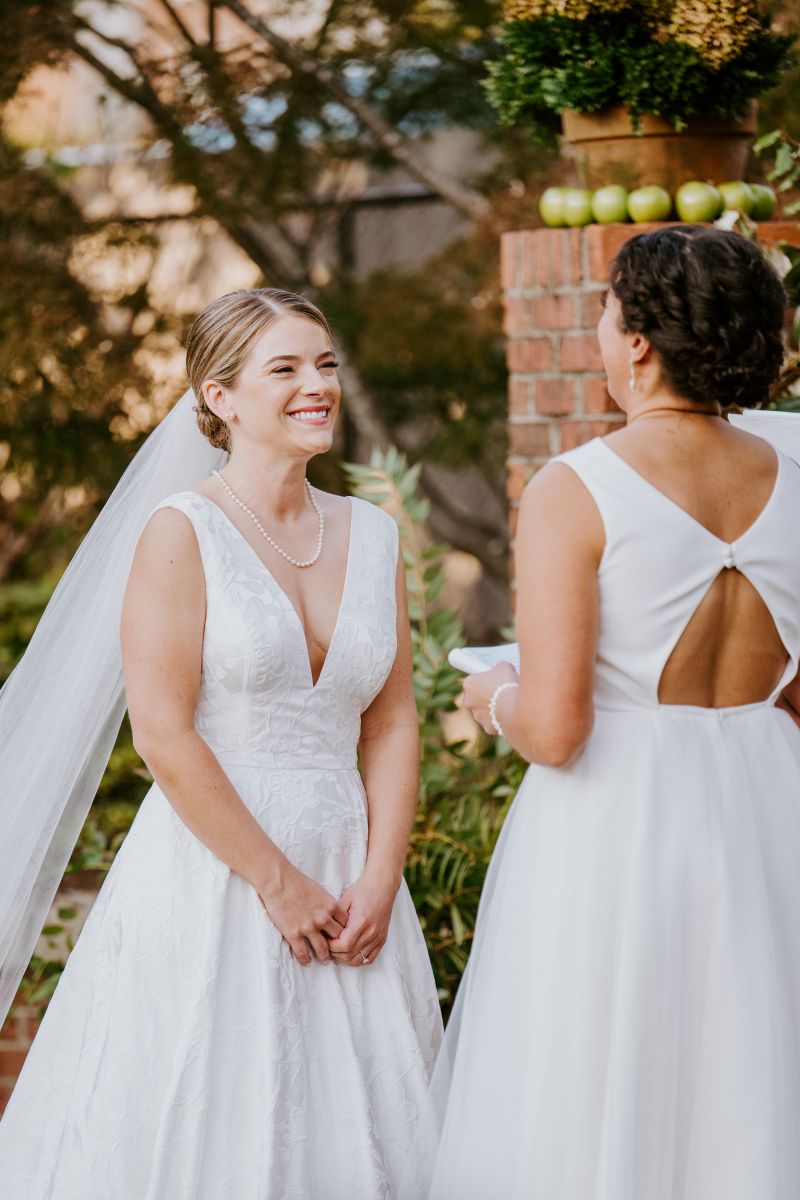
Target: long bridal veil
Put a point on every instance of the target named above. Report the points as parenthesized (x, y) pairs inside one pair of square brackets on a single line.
[(62, 706)]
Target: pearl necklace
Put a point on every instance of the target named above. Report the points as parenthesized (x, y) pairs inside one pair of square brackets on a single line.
[(309, 562)]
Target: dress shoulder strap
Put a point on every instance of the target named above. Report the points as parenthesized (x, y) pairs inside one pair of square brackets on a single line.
[(379, 529), (373, 555), (606, 486), (585, 460)]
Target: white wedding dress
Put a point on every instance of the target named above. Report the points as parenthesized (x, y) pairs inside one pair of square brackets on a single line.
[(629, 1024), (185, 1054)]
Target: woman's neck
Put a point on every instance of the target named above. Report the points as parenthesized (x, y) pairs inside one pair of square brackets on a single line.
[(272, 486), (664, 405)]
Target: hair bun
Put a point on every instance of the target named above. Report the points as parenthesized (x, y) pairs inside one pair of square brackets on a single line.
[(712, 307), (211, 426)]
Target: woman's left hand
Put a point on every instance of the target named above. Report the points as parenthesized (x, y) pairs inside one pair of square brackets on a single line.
[(479, 689), (368, 903)]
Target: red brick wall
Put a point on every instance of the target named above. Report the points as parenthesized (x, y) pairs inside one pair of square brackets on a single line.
[(552, 280), (15, 1040)]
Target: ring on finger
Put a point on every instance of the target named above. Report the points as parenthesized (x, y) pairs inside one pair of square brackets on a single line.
[(364, 958)]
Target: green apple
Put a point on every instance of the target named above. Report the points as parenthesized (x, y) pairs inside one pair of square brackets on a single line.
[(737, 195), (577, 207), (765, 202), (698, 201), (610, 204), (551, 206), (649, 203)]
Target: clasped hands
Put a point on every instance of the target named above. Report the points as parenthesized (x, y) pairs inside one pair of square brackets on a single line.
[(351, 930)]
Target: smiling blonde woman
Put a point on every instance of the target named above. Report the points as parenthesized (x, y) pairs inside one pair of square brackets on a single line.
[(249, 1013)]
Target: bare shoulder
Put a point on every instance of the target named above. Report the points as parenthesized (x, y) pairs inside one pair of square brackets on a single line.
[(759, 452), (168, 539), (165, 592), (558, 518)]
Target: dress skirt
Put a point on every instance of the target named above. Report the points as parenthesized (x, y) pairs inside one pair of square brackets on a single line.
[(629, 1024), (186, 1055)]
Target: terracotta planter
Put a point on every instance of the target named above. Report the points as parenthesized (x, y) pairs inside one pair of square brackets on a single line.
[(606, 149)]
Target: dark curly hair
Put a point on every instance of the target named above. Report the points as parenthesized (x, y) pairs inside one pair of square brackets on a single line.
[(711, 306)]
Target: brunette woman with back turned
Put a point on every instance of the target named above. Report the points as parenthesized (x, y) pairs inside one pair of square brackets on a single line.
[(629, 1026)]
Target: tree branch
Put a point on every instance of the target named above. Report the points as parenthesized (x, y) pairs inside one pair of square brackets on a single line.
[(440, 490), (359, 404), (401, 149), (95, 226), (331, 14), (449, 520), (263, 249), (118, 44), (177, 22)]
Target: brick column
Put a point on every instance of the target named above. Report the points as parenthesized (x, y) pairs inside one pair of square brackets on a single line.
[(552, 280)]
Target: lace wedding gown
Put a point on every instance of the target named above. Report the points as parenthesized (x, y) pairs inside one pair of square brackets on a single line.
[(186, 1055), (629, 1024)]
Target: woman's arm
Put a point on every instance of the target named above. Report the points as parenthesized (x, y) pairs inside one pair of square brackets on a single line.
[(162, 638), (559, 543), (389, 753)]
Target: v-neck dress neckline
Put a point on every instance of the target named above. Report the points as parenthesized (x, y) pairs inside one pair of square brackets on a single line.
[(283, 594)]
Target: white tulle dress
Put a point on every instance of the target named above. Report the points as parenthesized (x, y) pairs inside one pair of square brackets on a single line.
[(186, 1055), (629, 1023)]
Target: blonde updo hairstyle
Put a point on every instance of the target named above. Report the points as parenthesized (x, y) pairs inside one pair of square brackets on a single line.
[(221, 337)]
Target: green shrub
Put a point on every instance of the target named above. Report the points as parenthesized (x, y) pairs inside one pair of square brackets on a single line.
[(552, 63), (465, 788)]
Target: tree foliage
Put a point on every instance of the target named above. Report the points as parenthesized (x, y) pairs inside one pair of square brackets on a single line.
[(270, 134), (63, 374)]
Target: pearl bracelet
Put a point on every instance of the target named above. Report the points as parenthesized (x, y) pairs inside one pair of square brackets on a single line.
[(493, 706)]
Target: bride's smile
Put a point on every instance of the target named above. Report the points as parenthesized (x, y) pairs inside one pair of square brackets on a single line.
[(287, 395)]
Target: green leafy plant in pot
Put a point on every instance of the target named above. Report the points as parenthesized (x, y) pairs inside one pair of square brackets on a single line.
[(647, 91)]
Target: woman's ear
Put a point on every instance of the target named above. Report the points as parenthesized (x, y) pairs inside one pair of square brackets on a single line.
[(215, 398), (639, 348)]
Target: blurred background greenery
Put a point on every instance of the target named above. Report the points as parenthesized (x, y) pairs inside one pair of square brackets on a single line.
[(156, 154)]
